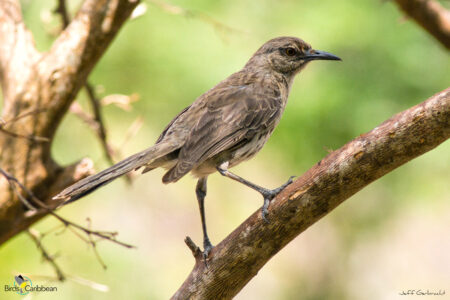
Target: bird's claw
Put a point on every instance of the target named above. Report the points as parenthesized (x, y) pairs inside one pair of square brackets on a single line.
[(264, 210), (207, 247), (269, 195), (279, 189)]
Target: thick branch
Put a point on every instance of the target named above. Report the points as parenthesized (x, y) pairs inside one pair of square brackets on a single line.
[(431, 15), (34, 82), (14, 217), (322, 188), (78, 48), (17, 51)]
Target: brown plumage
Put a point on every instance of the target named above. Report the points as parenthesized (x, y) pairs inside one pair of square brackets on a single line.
[(228, 124)]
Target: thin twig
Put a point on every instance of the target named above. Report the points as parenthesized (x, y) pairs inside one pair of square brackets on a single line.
[(12, 181), (30, 137), (131, 132), (78, 111), (102, 235), (196, 252), (121, 101), (23, 115), (107, 235), (61, 9), (178, 10), (37, 239), (109, 150), (101, 130)]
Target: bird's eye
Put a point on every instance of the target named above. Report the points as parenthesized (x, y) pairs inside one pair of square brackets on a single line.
[(290, 51)]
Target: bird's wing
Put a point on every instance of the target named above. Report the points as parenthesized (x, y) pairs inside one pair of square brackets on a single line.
[(229, 116), (168, 127)]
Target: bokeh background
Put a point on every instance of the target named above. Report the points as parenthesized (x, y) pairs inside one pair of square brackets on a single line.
[(391, 237)]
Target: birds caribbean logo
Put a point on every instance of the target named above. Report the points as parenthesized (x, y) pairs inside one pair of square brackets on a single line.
[(22, 283)]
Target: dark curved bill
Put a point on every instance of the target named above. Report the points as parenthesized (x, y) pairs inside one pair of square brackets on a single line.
[(320, 55)]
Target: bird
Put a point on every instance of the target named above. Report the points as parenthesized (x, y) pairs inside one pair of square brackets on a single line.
[(225, 126), (22, 282)]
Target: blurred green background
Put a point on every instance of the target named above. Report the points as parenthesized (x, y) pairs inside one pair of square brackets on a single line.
[(391, 236)]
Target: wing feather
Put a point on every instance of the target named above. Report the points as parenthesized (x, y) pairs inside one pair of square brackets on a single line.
[(226, 120)]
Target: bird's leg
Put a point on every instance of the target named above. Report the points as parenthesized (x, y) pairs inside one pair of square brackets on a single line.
[(266, 193), (200, 190)]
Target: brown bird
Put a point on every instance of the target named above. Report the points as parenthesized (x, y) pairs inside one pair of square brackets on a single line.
[(225, 126)]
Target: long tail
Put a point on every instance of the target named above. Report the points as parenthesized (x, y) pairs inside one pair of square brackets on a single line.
[(91, 183)]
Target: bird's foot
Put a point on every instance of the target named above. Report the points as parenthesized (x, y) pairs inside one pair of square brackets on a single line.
[(207, 247), (269, 195)]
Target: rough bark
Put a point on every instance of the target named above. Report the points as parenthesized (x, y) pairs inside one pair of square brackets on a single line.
[(431, 15), (46, 84), (240, 256)]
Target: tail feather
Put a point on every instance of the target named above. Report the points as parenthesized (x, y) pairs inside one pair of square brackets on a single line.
[(178, 171), (91, 183)]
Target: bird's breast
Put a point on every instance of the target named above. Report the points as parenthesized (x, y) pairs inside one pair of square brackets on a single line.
[(248, 149)]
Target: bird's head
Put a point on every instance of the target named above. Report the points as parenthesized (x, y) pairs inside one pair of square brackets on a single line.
[(287, 55)]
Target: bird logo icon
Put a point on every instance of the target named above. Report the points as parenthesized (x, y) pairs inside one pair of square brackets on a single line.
[(22, 283)]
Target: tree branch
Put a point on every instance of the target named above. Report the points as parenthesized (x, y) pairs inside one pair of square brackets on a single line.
[(17, 51), (178, 10), (50, 82), (37, 239), (97, 122), (37, 207), (431, 15), (240, 256), (78, 48)]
